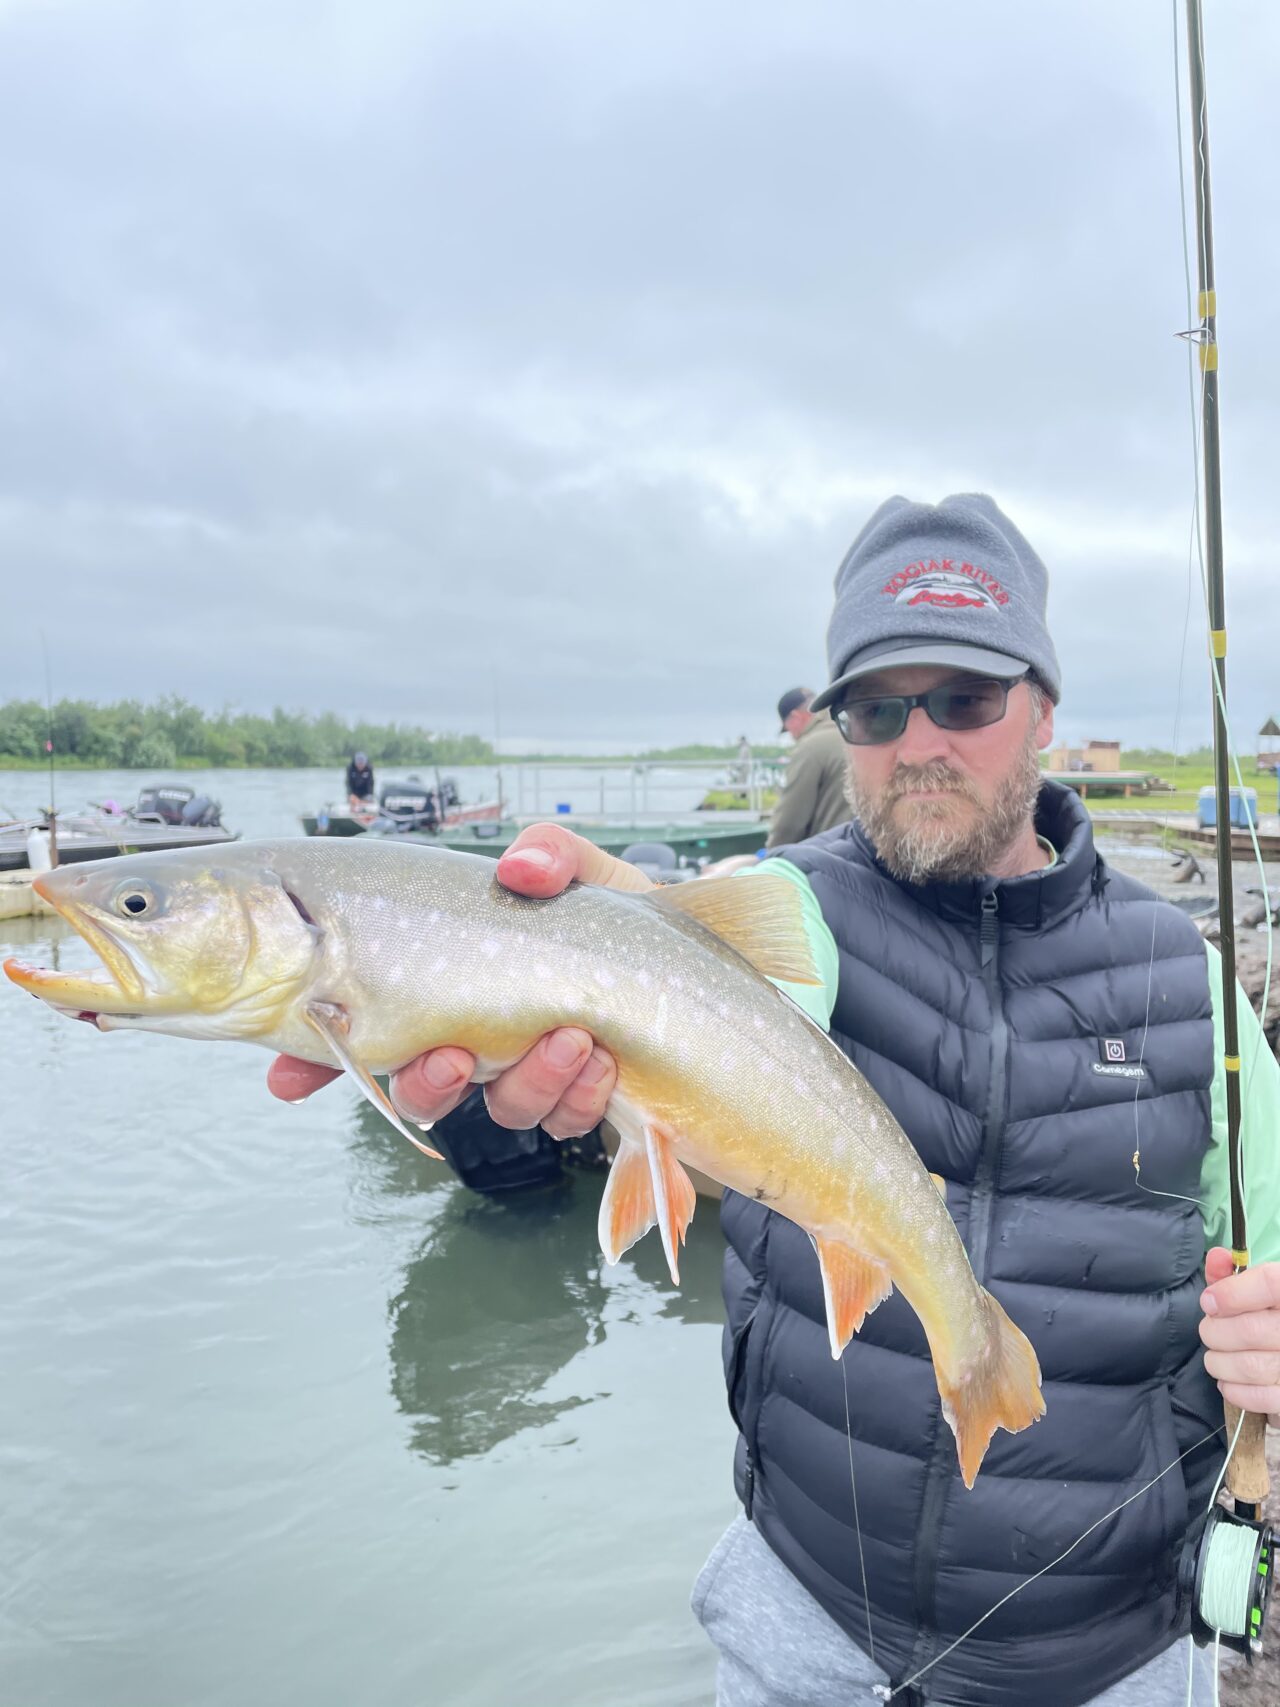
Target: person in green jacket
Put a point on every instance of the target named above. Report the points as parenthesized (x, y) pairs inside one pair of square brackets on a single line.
[(813, 794)]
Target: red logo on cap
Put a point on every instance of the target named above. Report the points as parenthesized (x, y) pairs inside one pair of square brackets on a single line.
[(947, 583)]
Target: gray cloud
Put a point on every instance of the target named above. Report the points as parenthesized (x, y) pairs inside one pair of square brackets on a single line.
[(396, 358)]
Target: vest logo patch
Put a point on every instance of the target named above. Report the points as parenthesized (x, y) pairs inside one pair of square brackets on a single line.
[(1107, 1070), (1113, 1049)]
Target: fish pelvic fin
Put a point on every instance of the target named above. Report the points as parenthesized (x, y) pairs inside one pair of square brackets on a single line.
[(1001, 1390), (852, 1286), (763, 920), (627, 1209), (673, 1195), (333, 1022)]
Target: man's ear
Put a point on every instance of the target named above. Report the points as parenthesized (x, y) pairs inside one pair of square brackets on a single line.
[(1044, 729)]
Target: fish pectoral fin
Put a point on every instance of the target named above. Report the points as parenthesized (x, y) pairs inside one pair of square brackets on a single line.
[(333, 1022), (627, 1209), (852, 1286), (673, 1194), (763, 920)]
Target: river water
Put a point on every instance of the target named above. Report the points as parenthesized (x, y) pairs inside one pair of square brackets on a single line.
[(271, 802), (288, 1416)]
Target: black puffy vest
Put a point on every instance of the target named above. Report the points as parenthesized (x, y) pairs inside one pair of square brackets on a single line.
[(990, 1016)]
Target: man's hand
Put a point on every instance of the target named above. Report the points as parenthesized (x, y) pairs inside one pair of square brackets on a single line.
[(1241, 1330), (564, 1082)]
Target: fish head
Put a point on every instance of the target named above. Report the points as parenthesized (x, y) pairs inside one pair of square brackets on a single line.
[(194, 946)]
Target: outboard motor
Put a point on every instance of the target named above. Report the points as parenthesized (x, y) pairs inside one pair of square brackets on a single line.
[(164, 805), (202, 813), (406, 806)]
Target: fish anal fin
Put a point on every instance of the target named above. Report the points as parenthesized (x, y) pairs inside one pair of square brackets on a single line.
[(673, 1194), (333, 1022), (763, 919), (940, 1185), (1002, 1390), (852, 1286), (627, 1208)]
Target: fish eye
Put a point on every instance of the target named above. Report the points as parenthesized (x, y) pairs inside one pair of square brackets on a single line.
[(134, 899)]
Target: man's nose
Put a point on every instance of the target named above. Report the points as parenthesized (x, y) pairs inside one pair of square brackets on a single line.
[(922, 740)]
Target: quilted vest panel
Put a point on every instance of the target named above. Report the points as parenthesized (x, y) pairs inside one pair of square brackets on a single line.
[(999, 1060)]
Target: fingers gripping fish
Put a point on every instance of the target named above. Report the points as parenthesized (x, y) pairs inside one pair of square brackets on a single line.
[(369, 954)]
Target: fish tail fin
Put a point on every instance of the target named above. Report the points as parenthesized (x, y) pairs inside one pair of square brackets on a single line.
[(1001, 1389)]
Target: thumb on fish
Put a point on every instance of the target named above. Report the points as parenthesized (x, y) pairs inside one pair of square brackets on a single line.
[(545, 859)]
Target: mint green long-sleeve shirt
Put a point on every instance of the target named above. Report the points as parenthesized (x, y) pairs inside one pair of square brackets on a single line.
[(1259, 1087)]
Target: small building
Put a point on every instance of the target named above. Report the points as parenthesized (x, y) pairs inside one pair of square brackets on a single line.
[(1269, 746), (1095, 757)]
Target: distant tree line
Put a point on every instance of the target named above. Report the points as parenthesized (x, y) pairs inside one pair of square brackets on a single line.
[(172, 732)]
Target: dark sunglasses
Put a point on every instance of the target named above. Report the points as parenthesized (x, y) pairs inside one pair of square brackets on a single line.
[(972, 704)]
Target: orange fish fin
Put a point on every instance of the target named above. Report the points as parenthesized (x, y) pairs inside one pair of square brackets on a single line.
[(852, 1285), (941, 1185), (1002, 1390), (333, 1022), (763, 920), (627, 1209), (673, 1195)]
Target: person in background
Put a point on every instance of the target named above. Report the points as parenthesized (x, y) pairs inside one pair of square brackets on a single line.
[(359, 780), (813, 792)]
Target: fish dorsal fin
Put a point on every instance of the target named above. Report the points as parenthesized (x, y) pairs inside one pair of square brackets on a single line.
[(763, 919)]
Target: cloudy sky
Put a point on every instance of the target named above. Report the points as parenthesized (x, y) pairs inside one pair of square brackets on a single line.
[(445, 362)]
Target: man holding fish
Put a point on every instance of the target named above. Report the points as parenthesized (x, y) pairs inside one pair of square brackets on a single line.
[(1009, 1148), (1036, 1023)]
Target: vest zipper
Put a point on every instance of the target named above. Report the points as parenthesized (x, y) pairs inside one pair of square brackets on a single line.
[(942, 1464)]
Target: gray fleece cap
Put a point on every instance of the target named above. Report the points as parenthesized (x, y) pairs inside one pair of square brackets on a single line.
[(951, 583)]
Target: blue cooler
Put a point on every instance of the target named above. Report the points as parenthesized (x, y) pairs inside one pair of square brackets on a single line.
[(1243, 813)]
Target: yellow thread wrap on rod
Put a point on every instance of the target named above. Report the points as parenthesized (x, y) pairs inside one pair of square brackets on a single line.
[(1208, 358), (1231, 1063), (1241, 1258), (1208, 303), (1219, 638)]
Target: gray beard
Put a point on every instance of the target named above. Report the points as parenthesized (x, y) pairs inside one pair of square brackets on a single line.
[(930, 845)]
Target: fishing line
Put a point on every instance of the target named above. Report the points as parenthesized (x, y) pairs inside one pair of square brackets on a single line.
[(857, 1521), (889, 1694), (1197, 534)]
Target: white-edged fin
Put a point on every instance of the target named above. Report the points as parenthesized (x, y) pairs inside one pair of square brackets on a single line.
[(333, 1023), (852, 1286), (626, 1210), (673, 1195)]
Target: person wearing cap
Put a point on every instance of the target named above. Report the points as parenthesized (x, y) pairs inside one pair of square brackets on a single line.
[(813, 794), (1046, 1031), (359, 780)]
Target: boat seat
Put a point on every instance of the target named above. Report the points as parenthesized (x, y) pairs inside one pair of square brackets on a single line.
[(651, 853)]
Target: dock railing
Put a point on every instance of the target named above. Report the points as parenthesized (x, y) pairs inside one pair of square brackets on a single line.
[(643, 789)]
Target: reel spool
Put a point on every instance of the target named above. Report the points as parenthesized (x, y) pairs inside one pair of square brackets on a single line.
[(1229, 1579)]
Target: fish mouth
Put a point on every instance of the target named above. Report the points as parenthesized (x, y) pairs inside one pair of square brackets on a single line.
[(118, 990)]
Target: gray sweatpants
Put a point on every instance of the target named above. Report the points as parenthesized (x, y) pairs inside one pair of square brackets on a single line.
[(778, 1648)]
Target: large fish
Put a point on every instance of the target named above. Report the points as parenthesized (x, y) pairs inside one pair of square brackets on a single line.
[(367, 953)]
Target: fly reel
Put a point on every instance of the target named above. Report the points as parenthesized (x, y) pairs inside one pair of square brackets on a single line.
[(1227, 1576)]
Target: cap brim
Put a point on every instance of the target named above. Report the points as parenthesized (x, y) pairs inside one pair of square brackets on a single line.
[(978, 659)]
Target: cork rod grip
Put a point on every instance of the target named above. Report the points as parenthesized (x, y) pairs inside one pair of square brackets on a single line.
[(1247, 1477)]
